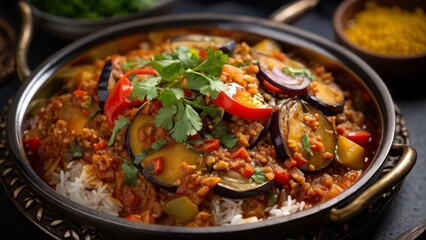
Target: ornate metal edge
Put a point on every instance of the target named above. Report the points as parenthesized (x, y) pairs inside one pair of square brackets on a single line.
[(59, 227)]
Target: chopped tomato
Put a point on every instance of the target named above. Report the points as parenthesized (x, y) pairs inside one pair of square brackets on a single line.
[(119, 98), (359, 137), (241, 153), (247, 170), (237, 101), (158, 165), (282, 176), (32, 145), (102, 144), (210, 144)]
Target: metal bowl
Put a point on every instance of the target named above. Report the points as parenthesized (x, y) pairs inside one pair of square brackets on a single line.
[(121, 37)]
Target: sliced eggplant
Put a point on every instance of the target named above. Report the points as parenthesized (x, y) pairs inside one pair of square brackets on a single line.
[(327, 97), (260, 134), (141, 134), (303, 133), (271, 70), (172, 156), (200, 41), (234, 185), (104, 79)]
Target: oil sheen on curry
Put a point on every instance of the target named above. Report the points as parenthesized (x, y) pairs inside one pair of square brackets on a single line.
[(201, 129)]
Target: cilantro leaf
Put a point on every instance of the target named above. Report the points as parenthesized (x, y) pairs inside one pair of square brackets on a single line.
[(118, 124), (187, 123), (146, 88), (294, 72), (306, 145), (213, 63), (258, 176), (164, 118), (167, 97), (76, 150), (131, 174), (189, 58), (168, 69), (159, 144), (229, 140), (140, 156)]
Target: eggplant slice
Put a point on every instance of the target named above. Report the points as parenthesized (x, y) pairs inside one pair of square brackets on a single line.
[(303, 133), (104, 80), (234, 185), (200, 41), (271, 70), (172, 154), (327, 97)]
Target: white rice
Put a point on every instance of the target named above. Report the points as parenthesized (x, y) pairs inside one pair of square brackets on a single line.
[(228, 211), (79, 184)]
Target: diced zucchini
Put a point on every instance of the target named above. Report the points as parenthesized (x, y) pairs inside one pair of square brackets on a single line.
[(182, 209)]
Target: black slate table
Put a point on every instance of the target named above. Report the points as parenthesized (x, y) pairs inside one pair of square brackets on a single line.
[(407, 209)]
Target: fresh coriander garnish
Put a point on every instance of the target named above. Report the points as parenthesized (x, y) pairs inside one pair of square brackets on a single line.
[(132, 64), (76, 150), (272, 199), (258, 176), (118, 124), (294, 72), (306, 145), (131, 174), (183, 68)]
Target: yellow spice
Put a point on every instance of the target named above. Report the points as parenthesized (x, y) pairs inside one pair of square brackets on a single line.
[(389, 30)]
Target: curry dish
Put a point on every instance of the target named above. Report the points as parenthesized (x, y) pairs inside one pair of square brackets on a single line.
[(198, 129)]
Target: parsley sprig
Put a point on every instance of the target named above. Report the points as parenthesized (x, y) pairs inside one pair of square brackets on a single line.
[(180, 69)]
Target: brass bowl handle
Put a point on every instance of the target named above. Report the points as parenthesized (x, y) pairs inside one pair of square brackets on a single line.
[(401, 169), (290, 11), (22, 68)]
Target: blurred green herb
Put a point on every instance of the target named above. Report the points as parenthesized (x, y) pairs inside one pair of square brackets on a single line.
[(93, 9)]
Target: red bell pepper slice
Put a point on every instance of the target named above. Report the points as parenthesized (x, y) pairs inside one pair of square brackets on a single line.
[(359, 137), (119, 98), (237, 101), (282, 176)]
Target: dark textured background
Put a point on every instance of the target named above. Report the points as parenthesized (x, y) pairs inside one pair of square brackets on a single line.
[(407, 210)]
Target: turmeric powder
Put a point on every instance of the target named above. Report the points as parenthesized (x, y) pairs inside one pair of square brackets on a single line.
[(389, 30)]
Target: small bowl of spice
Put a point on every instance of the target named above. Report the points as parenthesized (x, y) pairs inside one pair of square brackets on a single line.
[(390, 35)]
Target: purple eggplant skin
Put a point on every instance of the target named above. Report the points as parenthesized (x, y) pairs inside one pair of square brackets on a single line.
[(239, 187), (330, 104), (103, 83), (286, 121), (254, 139), (291, 85), (225, 44)]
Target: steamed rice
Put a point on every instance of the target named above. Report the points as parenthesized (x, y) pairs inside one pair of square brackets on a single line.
[(79, 184)]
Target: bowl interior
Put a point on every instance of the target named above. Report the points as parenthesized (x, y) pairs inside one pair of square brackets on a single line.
[(350, 71)]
